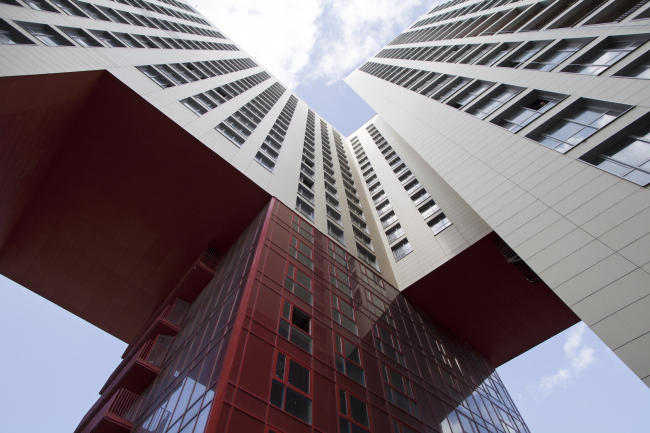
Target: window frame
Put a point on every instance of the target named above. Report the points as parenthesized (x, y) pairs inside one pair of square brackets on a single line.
[(286, 384), (288, 319), (338, 311), (390, 388), (340, 351), (346, 415)]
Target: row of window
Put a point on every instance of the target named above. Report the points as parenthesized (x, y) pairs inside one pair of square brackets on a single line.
[(538, 16), (332, 205), (270, 149), (241, 124), (515, 54), (306, 182), (446, 5), (360, 228), (203, 102), (168, 75), (476, 7), (82, 9), (290, 387), (627, 158), (46, 34)]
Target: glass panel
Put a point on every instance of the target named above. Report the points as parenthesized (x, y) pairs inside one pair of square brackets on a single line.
[(300, 339), (359, 411), (277, 394), (298, 405), (351, 351), (279, 369), (298, 376), (355, 372)]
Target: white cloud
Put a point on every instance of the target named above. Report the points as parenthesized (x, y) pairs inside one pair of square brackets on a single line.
[(304, 40), (580, 357)]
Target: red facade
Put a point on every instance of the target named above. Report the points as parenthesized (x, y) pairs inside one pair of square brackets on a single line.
[(294, 335)]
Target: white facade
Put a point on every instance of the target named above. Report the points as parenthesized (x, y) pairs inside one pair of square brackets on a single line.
[(449, 83)]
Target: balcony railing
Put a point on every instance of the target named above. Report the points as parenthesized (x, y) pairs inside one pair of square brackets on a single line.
[(125, 405), (114, 414)]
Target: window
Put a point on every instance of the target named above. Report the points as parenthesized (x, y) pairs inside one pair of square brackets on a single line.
[(578, 126), (305, 209), (388, 344), (639, 68), (451, 88), (336, 232), (301, 251), (332, 201), (420, 196), (497, 54), (398, 427), (602, 57), (40, 5), (67, 7), (46, 34), (629, 159), (11, 36), (401, 250), (522, 55), (454, 386), (234, 137), (92, 11), (334, 215), (193, 105), (558, 54), (384, 207), (428, 209), (299, 283), (439, 223), (343, 314), (379, 308), (338, 254), (353, 413), (81, 37), (291, 388), (394, 233), (399, 391), (306, 193), (295, 326), (494, 101), (530, 110), (301, 226), (367, 256), (347, 358), (388, 219), (373, 280), (474, 91), (340, 279), (111, 41)]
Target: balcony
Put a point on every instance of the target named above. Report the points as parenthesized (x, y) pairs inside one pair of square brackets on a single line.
[(136, 372), (115, 415)]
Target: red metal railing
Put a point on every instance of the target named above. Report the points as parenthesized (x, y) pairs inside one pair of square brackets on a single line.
[(126, 405), (153, 353), (210, 259), (173, 315)]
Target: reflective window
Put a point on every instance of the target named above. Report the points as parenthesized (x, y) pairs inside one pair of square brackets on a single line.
[(556, 55), (348, 359), (524, 114), (343, 314), (629, 159), (399, 391), (577, 127), (439, 223), (299, 283), (494, 101), (599, 59), (291, 388), (46, 34)]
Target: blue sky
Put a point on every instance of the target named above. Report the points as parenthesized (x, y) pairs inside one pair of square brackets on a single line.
[(55, 363)]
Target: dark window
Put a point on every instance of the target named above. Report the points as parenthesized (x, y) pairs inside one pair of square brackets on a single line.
[(11, 36), (629, 159), (353, 413), (295, 326), (399, 391), (291, 388), (348, 359), (46, 34), (81, 37)]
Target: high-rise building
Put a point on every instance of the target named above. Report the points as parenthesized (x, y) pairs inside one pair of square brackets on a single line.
[(272, 275), (534, 115)]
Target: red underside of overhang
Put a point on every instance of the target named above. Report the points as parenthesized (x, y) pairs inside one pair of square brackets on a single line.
[(490, 304), (105, 202)]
